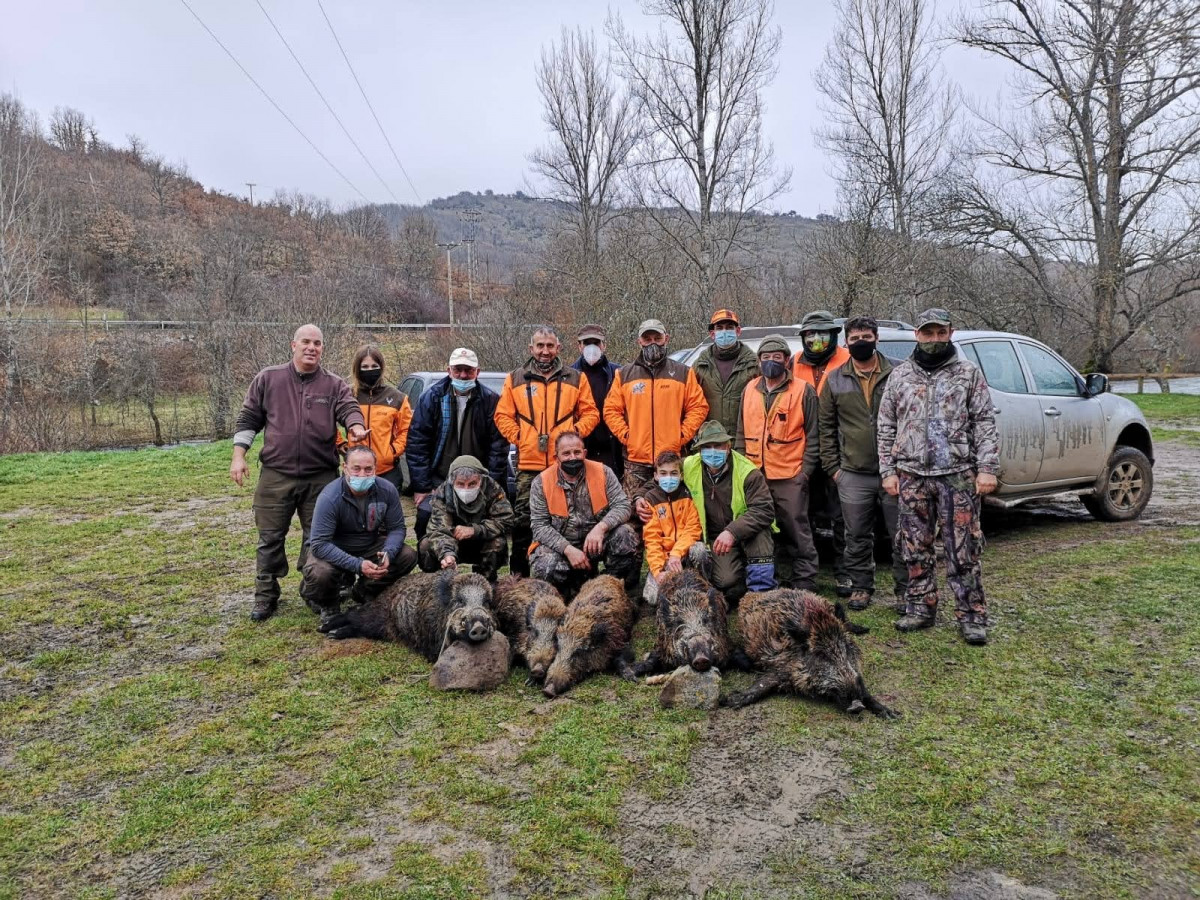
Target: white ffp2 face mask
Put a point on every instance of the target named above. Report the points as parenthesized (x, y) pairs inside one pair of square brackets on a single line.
[(592, 354), (466, 495)]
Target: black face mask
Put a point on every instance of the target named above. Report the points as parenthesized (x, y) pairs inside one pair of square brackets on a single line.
[(369, 377), (653, 354), (572, 466), (862, 350), (772, 368)]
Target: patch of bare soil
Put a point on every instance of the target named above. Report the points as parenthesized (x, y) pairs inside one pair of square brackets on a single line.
[(372, 847), (746, 800), (978, 886)]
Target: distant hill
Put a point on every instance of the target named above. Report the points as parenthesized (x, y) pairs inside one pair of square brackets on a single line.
[(510, 230)]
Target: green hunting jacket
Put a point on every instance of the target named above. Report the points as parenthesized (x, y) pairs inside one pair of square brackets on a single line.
[(725, 400), (847, 423)]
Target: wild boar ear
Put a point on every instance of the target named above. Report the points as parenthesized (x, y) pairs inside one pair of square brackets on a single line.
[(799, 632), (839, 613), (445, 589), (599, 633)]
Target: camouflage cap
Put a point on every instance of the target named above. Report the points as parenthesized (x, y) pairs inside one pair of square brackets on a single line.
[(712, 432), (774, 343), (933, 316), (819, 320), (651, 325)]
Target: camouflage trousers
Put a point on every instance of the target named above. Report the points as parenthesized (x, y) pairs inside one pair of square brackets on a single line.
[(622, 556), (522, 534), (948, 501)]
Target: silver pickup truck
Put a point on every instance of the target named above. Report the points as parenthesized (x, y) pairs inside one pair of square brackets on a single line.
[(1059, 431)]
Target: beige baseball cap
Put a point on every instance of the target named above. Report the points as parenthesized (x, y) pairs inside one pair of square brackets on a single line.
[(464, 357)]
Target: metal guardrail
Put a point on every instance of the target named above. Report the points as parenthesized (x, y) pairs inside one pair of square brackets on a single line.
[(183, 324)]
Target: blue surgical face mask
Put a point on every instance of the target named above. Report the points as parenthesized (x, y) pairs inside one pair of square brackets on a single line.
[(712, 457), (361, 483), (668, 482), (462, 385), (725, 337)]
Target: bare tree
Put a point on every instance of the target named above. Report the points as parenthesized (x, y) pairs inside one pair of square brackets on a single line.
[(71, 130), (704, 167), (28, 228), (1099, 170), (592, 128), (888, 109), (164, 181)]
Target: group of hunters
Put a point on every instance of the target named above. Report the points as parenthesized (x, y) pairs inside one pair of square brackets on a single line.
[(727, 460)]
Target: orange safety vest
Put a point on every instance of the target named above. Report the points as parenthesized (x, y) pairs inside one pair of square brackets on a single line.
[(775, 438), (556, 497), (803, 371)]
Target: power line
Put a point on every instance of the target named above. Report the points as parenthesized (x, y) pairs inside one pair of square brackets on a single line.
[(395, 155), (328, 106), (270, 100)]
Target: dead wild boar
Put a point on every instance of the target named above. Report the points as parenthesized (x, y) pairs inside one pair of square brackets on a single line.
[(529, 612), (691, 626), (801, 645), (593, 637), (426, 612)]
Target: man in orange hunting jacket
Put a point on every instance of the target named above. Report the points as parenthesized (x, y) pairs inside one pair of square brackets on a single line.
[(540, 401), (655, 404)]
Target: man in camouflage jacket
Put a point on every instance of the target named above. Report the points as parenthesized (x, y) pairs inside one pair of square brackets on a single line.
[(938, 452), (470, 521)]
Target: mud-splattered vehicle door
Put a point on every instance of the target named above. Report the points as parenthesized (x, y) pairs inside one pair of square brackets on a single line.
[(1018, 411), (1076, 446)]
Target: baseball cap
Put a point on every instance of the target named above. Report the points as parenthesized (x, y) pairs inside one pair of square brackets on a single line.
[(724, 315), (652, 325), (933, 316), (591, 332), (464, 357)]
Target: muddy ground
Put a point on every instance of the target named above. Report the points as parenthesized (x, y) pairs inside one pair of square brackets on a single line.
[(748, 805)]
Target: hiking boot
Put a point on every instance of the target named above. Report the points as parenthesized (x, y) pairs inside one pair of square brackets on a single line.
[(329, 612), (859, 600), (263, 609), (914, 623), (899, 604), (843, 586), (973, 633)]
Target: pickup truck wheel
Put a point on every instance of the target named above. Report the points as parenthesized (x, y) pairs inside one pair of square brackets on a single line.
[(1123, 490)]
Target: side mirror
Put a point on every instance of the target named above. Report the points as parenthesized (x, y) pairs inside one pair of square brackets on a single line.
[(1095, 384)]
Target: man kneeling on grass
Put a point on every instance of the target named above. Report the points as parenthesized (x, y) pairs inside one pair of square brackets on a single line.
[(470, 521), (357, 530)]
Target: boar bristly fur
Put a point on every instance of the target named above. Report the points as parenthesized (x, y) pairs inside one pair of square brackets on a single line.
[(801, 645), (593, 637), (426, 612), (691, 626), (529, 612)]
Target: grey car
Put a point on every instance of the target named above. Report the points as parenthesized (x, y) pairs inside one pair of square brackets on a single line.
[(1059, 431)]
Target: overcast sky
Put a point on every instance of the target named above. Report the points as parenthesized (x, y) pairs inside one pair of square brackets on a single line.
[(453, 85)]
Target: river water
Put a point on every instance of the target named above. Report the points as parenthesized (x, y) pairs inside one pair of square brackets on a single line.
[(1178, 386)]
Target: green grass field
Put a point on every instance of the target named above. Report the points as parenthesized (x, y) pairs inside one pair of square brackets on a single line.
[(155, 743)]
